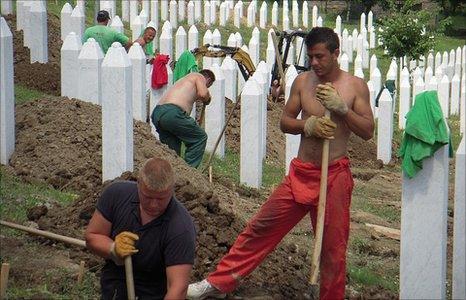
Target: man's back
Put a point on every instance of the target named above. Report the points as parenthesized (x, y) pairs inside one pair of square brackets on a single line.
[(105, 36), (183, 93)]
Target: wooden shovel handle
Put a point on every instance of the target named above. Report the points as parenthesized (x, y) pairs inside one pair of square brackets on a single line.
[(129, 278), (319, 230)]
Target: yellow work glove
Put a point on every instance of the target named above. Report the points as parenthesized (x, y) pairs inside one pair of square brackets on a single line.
[(321, 127), (330, 99), (123, 246)]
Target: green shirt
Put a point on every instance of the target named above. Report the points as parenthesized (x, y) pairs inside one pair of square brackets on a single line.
[(185, 65), (426, 131), (105, 36)]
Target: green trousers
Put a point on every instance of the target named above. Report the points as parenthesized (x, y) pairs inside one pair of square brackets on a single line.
[(174, 126)]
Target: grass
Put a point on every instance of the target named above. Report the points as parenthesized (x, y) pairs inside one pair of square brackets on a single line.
[(17, 197), (24, 94), (367, 277), (229, 167)]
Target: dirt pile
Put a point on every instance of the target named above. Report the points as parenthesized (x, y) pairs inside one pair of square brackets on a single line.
[(59, 142), (42, 77), (362, 153)]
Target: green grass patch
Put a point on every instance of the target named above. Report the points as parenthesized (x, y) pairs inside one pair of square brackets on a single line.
[(16, 197), (229, 167), (24, 94), (365, 276), (363, 192)]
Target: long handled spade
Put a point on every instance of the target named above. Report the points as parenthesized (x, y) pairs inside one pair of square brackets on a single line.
[(129, 278), (315, 263)]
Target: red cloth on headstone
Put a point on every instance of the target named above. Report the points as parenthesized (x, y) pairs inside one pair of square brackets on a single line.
[(159, 71)]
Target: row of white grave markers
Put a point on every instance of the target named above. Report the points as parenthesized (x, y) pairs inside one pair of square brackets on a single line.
[(7, 97)]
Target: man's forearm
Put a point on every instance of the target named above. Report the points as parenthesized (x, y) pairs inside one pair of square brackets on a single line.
[(360, 125), (99, 244), (176, 293), (292, 125)]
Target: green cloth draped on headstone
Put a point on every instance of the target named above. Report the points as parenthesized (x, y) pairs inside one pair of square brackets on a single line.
[(426, 131), (185, 65)]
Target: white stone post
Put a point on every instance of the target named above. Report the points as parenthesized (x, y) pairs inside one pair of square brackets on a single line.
[(7, 94), (223, 14), (305, 18), (213, 12), (230, 73), (38, 41), (125, 10), (376, 79), (154, 12), (136, 28), (133, 11), (423, 247), (174, 13), (19, 15), (254, 50), (458, 61), (455, 95), (181, 42), (7, 7), (292, 140), (207, 39), (165, 43), (138, 62), (89, 80), (197, 10), (117, 113), (320, 21), (193, 37), (78, 20), (207, 20), (338, 25), (65, 20), (191, 19), (181, 10), (344, 62), (314, 16), (69, 65), (373, 63), (463, 104), (117, 24), (459, 226), (251, 128), (215, 113), (428, 74), (385, 127), (163, 10), (438, 61), (237, 16), (263, 15), (295, 13), (26, 23), (216, 40), (370, 18), (270, 52), (362, 21), (275, 14), (444, 95), (144, 16), (405, 98), (251, 16)]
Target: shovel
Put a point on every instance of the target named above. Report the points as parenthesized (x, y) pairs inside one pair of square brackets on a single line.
[(319, 230)]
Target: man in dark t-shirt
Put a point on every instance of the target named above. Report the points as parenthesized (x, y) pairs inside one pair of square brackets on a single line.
[(144, 220)]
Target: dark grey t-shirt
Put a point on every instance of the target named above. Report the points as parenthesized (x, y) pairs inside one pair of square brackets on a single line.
[(166, 241)]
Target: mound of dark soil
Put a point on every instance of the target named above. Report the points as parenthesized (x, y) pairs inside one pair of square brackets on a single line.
[(42, 77), (59, 142)]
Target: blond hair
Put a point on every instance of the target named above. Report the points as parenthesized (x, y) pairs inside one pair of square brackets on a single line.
[(157, 174)]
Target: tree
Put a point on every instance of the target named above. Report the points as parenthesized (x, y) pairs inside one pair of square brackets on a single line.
[(409, 32)]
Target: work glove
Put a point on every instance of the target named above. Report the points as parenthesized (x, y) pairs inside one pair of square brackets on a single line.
[(123, 246), (321, 127), (330, 99)]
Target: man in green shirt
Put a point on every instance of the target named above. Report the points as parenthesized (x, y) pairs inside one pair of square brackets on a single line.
[(145, 40), (105, 35)]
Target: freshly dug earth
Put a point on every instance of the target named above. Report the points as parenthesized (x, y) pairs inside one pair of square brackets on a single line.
[(42, 77), (59, 142), (362, 153)]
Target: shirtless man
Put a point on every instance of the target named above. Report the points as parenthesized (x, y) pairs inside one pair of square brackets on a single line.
[(347, 98), (171, 117)]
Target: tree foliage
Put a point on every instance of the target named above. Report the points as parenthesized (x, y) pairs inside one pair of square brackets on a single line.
[(406, 31)]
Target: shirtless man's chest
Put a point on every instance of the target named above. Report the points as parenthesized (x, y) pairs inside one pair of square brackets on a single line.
[(311, 148)]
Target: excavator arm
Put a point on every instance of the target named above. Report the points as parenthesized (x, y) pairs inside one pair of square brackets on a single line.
[(241, 57)]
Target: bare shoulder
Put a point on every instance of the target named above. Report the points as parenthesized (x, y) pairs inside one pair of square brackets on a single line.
[(303, 79), (356, 82)]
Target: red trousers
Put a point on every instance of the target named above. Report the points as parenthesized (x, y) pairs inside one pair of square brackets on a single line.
[(296, 196)]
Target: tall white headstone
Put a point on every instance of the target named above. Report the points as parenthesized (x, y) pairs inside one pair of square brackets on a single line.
[(38, 42), (117, 113), (133, 11), (263, 15), (231, 76), (459, 225), (444, 95), (174, 13), (305, 14), (314, 16), (7, 94), (65, 20), (164, 10), (215, 113), (207, 20), (292, 140), (154, 11), (138, 62), (69, 65), (78, 20), (137, 28), (193, 37), (344, 62), (90, 72), (385, 127), (191, 17), (275, 14), (254, 50), (166, 46), (405, 98), (207, 39), (424, 203), (455, 95), (251, 143), (181, 42), (117, 24), (125, 10)]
